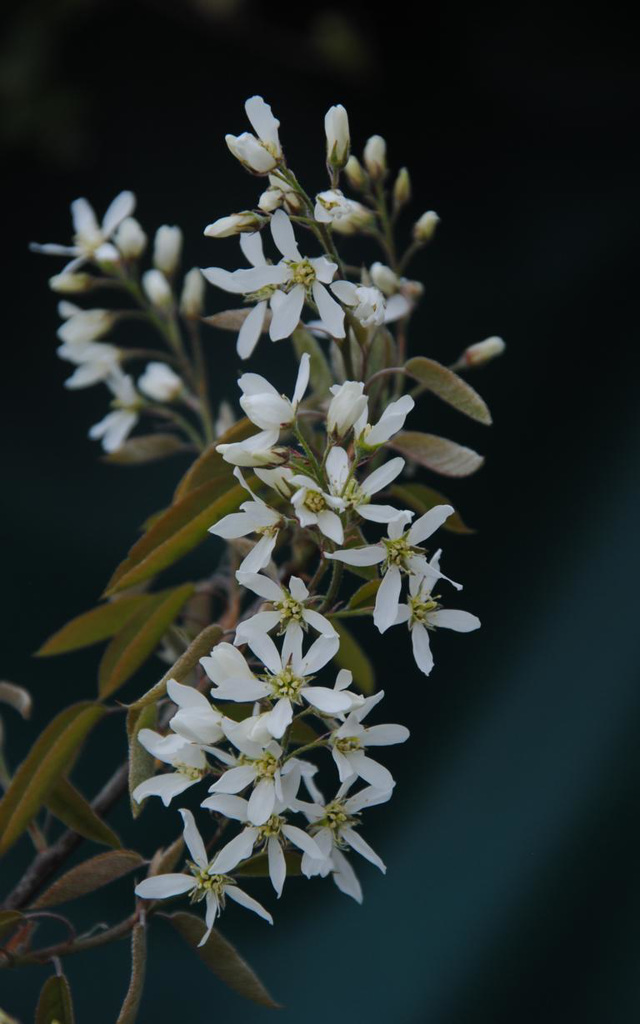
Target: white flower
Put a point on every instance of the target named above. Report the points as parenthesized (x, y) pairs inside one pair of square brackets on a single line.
[(288, 612), (423, 613), (391, 421), (333, 206), (375, 156), (350, 741), (314, 507), (235, 224), (116, 426), (336, 127), (160, 383), (358, 495), (70, 284), (157, 288), (187, 760), (259, 764), (225, 418), (262, 403), (192, 297), (196, 719), (424, 228), (167, 249), (94, 362), (204, 882), (347, 405), (91, 240), (255, 517), (384, 278), (369, 306), (259, 155), (272, 836), (280, 193), (356, 218), (355, 173), (257, 450), (130, 239), (399, 555), (83, 324)]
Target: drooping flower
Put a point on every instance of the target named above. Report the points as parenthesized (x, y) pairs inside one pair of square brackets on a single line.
[(262, 403), (187, 759), (205, 882), (116, 426), (357, 496), (346, 407), (259, 155), (349, 744), (255, 517), (288, 612), (91, 240), (196, 720), (258, 450)]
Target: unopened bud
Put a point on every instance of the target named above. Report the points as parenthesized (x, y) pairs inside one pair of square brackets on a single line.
[(384, 278), (70, 284), (336, 126), (167, 249), (424, 228), (192, 298), (375, 156), (157, 288), (160, 383), (235, 224), (359, 218), (402, 189), (482, 352), (355, 173), (130, 239)]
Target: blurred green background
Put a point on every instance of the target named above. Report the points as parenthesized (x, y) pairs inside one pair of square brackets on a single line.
[(512, 843)]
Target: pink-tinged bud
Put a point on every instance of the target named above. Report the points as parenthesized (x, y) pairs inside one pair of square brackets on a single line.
[(482, 352)]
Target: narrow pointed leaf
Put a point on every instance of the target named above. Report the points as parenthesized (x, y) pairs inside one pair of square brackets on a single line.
[(448, 386), (147, 448), (180, 529), (437, 453), (48, 760), (421, 499), (365, 596), (141, 762), (129, 1012), (198, 648), (351, 655), (210, 466), (90, 875), (91, 627), (321, 377), (223, 959), (139, 638), (55, 1005), (70, 807)]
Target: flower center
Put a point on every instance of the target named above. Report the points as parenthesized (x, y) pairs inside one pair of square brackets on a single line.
[(314, 501), (189, 770), (266, 766), (271, 828), (336, 817), (286, 684), (353, 495), (420, 607), (206, 883), (290, 610), (346, 744), (399, 552), (262, 294), (302, 272)]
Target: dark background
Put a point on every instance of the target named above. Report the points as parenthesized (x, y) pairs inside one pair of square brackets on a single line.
[(513, 889)]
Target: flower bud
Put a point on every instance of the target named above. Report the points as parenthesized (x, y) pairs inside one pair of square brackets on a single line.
[(253, 156), (346, 406), (192, 298), (160, 383), (384, 278), (70, 284), (358, 218), (130, 239), (235, 224), (336, 126), (375, 156), (402, 189), (424, 228), (482, 352), (157, 288), (167, 249), (355, 173)]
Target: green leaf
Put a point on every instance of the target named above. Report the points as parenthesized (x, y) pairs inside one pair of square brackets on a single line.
[(448, 386), (198, 648), (223, 959), (49, 758), (141, 762), (8, 921), (350, 655), (147, 448), (139, 638), (421, 498), (92, 627), (437, 453), (320, 375), (180, 529), (258, 866), (365, 596), (17, 698), (129, 1012), (89, 876), (211, 466), (67, 804), (55, 1005)]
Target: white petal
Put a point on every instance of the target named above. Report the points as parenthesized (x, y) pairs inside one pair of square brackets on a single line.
[(193, 839), (329, 524), (297, 589), (241, 897), (265, 649), (345, 877), (235, 780), (319, 654), (302, 380), (260, 556), (262, 622), (84, 219), (383, 476), (429, 523), (283, 235), (261, 802), (161, 887), (261, 585), (286, 317), (357, 843), (422, 648), (280, 718), (385, 735), (387, 599), (251, 245), (251, 330), (318, 622), (231, 806), (359, 556), (454, 618), (277, 865), (377, 513), (122, 206), (331, 312), (330, 701), (165, 786), (346, 291), (213, 908), (373, 773), (238, 849)]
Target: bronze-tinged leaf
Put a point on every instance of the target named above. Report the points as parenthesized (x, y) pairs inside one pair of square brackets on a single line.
[(350, 655), (166, 858), (147, 448), (233, 319), (448, 386), (139, 638), (55, 1005), (70, 807), (198, 648), (9, 919), (141, 762), (320, 375), (180, 529), (91, 627), (421, 499), (129, 1012), (48, 760), (17, 698), (223, 959), (258, 866), (89, 876), (210, 465), (437, 453), (365, 596)]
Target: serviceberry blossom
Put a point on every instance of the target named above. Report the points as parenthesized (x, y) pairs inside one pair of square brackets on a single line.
[(196, 720), (262, 403), (390, 422), (160, 383), (260, 764), (258, 450), (398, 555), (357, 496), (423, 613), (255, 517), (262, 154), (288, 611), (95, 361), (347, 405), (332, 206), (315, 507), (82, 325), (367, 302), (91, 241), (349, 745), (187, 760), (116, 426), (205, 882), (336, 127)]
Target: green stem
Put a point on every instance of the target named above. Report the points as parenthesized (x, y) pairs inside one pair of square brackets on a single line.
[(334, 586)]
